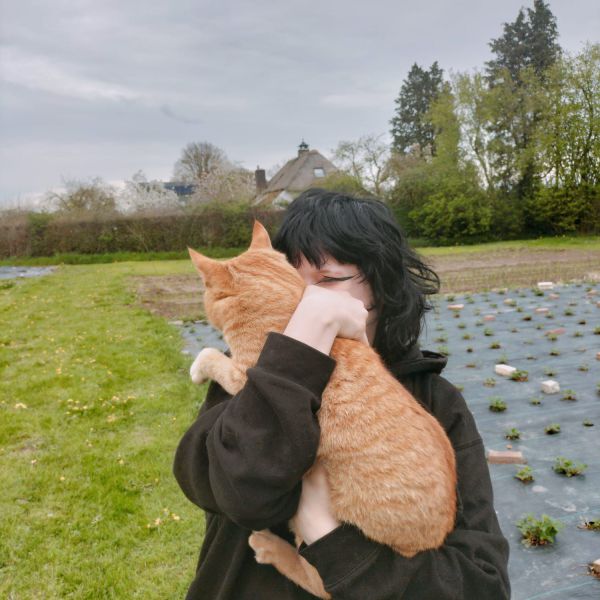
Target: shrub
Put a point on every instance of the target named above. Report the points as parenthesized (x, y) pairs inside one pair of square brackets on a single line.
[(564, 466)]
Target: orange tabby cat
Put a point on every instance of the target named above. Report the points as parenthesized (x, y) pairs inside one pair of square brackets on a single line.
[(390, 466)]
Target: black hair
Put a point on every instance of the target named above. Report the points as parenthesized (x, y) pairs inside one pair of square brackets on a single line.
[(364, 232)]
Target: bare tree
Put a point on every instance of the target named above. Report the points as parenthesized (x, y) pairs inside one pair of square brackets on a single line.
[(81, 198), (366, 159), (198, 159)]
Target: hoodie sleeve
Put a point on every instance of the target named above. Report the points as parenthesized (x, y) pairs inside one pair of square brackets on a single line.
[(471, 564), (245, 455)]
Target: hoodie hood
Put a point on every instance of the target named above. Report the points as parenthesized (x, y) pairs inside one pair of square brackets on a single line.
[(418, 361)]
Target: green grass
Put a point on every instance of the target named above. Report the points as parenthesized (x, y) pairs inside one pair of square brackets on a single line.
[(544, 243), (94, 397), (91, 259)]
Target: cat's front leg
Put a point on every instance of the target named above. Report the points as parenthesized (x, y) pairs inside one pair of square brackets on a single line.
[(213, 364), (270, 549)]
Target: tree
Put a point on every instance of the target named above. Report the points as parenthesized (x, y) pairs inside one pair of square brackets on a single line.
[(141, 196), (366, 160), (85, 199), (224, 185), (198, 159), (409, 126), (528, 42), (524, 53)]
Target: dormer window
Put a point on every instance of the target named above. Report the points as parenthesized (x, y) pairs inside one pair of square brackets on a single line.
[(318, 172)]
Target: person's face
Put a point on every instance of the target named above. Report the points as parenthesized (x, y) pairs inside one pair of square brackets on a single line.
[(335, 276)]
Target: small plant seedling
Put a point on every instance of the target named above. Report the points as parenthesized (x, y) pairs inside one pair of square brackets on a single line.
[(514, 330), (538, 292), (495, 346), (471, 365), (460, 388), (584, 368), (568, 312), (538, 532), (525, 475), (488, 332), (548, 372), (513, 434), (439, 328), (441, 339), (578, 334), (466, 336), (469, 349), (591, 525), (535, 401), (555, 352), (470, 301), (552, 429), (569, 395), (582, 322), (552, 337), (549, 315), (527, 318), (489, 382), (443, 350), (564, 466), (478, 323), (450, 297), (493, 305), (588, 423), (531, 357), (477, 312), (597, 330), (497, 404), (519, 309), (520, 375), (461, 325), (456, 316)]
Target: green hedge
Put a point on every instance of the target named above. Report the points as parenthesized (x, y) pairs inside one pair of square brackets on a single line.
[(47, 234)]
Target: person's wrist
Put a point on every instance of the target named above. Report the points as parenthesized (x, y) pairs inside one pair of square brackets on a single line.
[(313, 327)]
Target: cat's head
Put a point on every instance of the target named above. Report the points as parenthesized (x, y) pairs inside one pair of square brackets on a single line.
[(255, 282)]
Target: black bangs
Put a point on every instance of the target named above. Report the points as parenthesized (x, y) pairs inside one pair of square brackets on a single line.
[(363, 232)]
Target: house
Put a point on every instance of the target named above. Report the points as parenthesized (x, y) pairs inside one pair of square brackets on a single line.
[(298, 174)]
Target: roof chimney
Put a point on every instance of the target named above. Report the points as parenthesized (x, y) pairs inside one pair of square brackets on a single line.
[(260, 178), (303, 147)]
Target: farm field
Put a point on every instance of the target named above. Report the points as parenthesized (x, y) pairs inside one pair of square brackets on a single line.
[(94, 396)]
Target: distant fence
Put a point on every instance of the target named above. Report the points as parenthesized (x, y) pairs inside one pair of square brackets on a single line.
[(42, 234)]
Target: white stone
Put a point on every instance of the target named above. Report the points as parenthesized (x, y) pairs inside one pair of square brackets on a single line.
[(542, 310), (545, 285), (550, 386), (504, 370), (456, 306)]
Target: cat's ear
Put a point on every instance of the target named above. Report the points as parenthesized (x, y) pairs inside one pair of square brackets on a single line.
[(260, 237), (207, 267)]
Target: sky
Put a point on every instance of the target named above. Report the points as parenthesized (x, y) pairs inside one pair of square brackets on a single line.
[(105, 88)]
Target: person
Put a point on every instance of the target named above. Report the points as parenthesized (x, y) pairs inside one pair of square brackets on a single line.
[(244, 458)]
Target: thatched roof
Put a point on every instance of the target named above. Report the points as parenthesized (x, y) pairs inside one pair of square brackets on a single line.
[(298, 174)]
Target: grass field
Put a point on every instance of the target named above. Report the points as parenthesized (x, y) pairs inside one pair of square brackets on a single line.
[(94, 397)]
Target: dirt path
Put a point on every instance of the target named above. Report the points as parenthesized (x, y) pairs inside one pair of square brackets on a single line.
[(178, 297)]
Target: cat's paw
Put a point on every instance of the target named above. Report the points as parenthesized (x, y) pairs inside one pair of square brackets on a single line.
[(199, 371), (263, 543)]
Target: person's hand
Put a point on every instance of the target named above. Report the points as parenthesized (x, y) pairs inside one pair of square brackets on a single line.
[(314, 518), (322, 315), (346, 313)]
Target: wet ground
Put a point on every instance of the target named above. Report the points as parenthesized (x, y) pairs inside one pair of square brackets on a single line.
[(551, 334), (20, 272)]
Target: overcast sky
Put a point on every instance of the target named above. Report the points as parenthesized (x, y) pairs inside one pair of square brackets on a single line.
[(104, 88)]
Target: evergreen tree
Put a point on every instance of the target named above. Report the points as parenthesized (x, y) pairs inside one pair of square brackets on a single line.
[(523, 56), (529, 42), (409, 124)]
